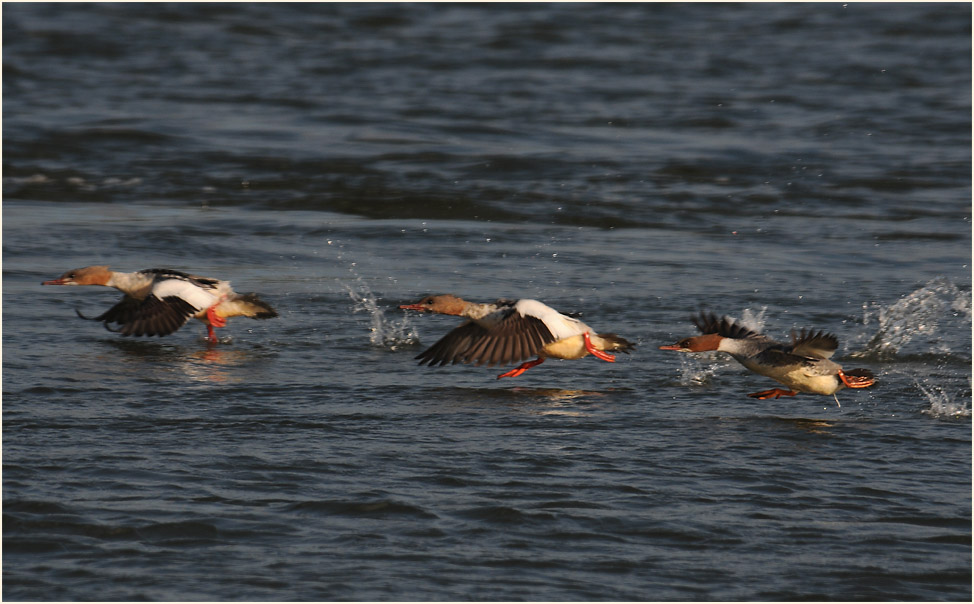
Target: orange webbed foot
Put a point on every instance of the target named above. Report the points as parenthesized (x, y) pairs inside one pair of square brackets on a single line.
[(214, 319), (856, 381), (773, 393), (596, 352), (522, 368)]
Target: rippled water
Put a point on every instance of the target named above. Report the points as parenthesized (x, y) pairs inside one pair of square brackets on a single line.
[(789, 165)]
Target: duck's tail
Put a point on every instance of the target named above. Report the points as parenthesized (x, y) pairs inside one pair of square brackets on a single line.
[(616, 343), (246, 305)]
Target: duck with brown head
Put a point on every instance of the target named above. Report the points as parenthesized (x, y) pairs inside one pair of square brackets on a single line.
[(508, 331), (157, 301), (803, 366)]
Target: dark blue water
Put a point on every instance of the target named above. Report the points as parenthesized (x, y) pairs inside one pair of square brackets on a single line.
[(791, 165)]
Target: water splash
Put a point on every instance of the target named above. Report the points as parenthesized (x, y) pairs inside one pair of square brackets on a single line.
[(943, 401), (383, 332), (695, 373), (934, 319), (754, 320)]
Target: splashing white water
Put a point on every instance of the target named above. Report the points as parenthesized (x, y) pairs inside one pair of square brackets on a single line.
[(754, 320), (383, 332), (944, 403), (695, 373), (934, 319)]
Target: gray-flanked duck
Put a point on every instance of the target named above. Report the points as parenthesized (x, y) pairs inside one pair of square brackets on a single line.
[(802, 366)]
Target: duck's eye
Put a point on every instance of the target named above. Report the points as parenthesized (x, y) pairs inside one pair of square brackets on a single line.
[(428, 301)]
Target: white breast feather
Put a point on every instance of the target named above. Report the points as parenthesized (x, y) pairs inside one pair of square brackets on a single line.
[(199, 298), (559, 325)]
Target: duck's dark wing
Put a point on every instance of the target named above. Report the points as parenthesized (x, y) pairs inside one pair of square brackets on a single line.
[(149, 317), (450, 348), (510, 339), (724, 326), (814, 344)]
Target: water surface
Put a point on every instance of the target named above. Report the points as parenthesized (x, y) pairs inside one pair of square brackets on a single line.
[(789, 165)]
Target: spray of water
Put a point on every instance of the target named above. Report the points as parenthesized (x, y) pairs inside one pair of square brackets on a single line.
[(932, 323), (695, 373), (383, 332), (945, 402), (754, 320), (934, 319)]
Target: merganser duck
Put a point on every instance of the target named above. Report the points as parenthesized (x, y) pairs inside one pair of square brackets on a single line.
[(803, 366), (158, 301), (508, 331)]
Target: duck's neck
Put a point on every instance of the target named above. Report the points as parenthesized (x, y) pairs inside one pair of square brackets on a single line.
[(134, 284), (473, 310)]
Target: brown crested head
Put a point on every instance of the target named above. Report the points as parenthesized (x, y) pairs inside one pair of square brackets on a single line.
[(444, 304), (704, 343), (89, 275)]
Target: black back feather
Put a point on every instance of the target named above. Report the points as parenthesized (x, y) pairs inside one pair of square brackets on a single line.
[(168, 273)]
